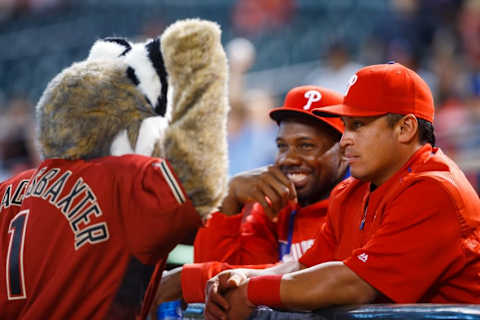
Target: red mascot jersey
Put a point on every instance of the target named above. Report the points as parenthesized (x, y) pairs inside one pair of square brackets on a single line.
[(76, 236)]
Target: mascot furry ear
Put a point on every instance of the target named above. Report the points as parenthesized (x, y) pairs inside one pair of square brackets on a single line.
[(166, 98)]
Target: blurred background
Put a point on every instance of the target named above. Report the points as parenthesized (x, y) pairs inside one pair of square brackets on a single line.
[(273, 45)]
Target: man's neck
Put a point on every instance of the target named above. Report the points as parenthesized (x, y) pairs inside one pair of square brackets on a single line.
[(404, 155)]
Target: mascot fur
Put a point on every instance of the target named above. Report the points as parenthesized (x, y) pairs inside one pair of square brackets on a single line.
[(165, 98)]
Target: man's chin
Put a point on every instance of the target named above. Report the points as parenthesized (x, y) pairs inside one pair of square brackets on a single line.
[(359, 175)]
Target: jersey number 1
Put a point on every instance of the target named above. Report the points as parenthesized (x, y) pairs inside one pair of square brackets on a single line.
[(14, 271)]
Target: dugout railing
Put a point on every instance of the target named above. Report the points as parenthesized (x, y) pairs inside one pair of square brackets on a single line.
[(370, 311)]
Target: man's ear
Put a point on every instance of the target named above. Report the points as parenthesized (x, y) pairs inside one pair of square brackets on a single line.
[(407, 128)]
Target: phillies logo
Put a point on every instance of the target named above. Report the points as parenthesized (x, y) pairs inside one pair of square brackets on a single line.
[(351, 82), (312, 96), (363, 257)]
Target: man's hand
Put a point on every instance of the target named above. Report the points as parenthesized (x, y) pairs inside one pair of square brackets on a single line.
[(216, 305), (169, 289), (267, 186), (241, 307)]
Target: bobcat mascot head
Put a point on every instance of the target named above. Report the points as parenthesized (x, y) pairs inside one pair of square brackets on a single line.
[(166, 98)]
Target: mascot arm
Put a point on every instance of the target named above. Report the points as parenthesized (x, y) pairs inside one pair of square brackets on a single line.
[(195, 141), (152, 233)]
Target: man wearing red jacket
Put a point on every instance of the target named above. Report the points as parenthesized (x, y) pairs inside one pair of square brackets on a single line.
[(404, 228), (282, 206), (272, 227)]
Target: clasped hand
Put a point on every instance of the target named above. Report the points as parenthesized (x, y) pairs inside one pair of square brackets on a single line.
[(226, 296)]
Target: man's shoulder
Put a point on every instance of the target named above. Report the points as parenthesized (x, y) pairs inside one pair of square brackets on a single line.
[(444, 184), (443, 173)]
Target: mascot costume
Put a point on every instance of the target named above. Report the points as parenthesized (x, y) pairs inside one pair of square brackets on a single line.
[(134, 141)]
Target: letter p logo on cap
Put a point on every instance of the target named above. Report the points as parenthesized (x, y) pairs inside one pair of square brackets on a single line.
[(312, 96)]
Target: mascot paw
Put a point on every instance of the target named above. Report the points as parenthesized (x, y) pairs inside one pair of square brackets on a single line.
[(195, 140)]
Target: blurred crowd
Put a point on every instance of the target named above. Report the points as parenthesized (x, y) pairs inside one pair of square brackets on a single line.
[(439, 39), (17, 131)]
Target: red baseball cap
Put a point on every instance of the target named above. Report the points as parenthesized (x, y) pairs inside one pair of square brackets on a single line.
[(303, 99), (384, 88)]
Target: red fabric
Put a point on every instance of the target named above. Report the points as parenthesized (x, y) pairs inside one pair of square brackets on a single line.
[(251, 238), (421, 238), (195, 276), (304, 99), (247, 240), (384, 88), (265, 290), (152, 289), (130, 210)]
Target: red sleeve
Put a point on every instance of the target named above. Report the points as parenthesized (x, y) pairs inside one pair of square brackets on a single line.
[(195, 276), (418, 244), (323, 247), (156, 211), (235, 240)]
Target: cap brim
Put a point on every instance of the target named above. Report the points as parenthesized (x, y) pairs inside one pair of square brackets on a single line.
[(341, 110), (279, 114)]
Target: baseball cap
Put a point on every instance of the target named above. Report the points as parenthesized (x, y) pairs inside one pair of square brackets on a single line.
[(384, 88), (302, 100)]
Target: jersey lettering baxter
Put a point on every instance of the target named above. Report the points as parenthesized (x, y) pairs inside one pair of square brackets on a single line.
[(78, 216)]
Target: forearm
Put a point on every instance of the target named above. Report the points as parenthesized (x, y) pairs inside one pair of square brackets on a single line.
[(261, 270), (326, 284), (279, 268), (229, 292), (195, 276)]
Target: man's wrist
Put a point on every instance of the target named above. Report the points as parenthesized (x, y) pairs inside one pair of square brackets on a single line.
[(265, 290)]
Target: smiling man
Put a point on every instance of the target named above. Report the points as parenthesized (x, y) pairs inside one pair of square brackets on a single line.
[(282, 205), (271, 214), (404, 228)]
